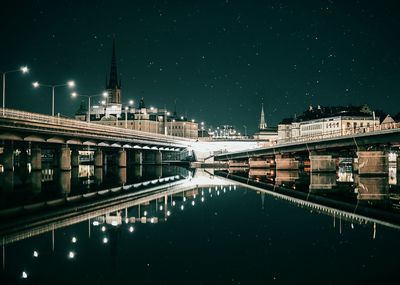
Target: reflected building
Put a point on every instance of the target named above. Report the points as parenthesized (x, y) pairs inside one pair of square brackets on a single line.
[(372, 188), (322, 181)]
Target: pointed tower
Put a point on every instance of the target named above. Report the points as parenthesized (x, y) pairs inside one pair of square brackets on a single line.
[(113, 86), (263, 124)]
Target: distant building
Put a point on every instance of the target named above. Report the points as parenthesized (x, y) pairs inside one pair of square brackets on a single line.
[(111, 112), (323, 122), (264, 132)]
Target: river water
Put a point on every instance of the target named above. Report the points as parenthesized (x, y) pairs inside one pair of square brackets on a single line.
[(169, 225)]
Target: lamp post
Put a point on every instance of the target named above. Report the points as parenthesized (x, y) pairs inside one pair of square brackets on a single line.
[(23, 69), (202, 129), (130, 102), (70, 84), (74, 94), (245, 131)]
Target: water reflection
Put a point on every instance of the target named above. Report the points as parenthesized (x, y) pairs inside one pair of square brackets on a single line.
[(201, 214), (27, 186)]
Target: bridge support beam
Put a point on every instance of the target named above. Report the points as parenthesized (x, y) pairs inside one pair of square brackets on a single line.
[(98, 158), (288, 163), (137, 157), (121, 158), (65, 158), (372, 162), (8, 158), (36, 159), (158, 158), (322, 163), (75, 158)]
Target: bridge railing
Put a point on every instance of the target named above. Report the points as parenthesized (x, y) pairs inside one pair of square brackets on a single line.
[(345, 132), (85, 126)]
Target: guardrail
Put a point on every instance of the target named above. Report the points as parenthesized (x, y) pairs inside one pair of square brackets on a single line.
[(64, 123), (347, 132)]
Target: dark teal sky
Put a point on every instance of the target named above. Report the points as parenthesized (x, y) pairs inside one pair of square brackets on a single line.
[(217, 58)]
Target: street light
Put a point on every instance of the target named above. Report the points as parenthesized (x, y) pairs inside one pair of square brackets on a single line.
[(126, 117), (23, 69), (202, 129), (69, 84), (104, 94), (245, 131), (126, 112)]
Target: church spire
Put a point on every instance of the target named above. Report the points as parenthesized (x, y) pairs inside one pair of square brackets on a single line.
[(113, 71), (263, 124)]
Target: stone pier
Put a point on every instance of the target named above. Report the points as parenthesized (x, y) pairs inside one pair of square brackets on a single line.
[(137, 157), (288, 163), (98, 158), (121, 158), (158, 158), (372, 162), (322, 163), (65, 158), (36, 159)]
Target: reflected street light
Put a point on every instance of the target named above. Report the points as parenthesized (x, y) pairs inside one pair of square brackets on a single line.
[(104, 94), (23, 69), (69, 84)]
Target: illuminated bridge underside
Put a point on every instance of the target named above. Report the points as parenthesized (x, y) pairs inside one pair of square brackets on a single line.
[(381, 138), (25, 126)]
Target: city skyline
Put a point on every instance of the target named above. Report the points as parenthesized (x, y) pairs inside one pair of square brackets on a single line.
[(217, 60)]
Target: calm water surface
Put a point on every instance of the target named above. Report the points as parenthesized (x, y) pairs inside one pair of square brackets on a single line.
[(199, 229)]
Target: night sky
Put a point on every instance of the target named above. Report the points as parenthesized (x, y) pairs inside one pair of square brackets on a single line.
[(217, 58)]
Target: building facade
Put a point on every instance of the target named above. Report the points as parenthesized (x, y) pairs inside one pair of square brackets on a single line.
[(328, 122)]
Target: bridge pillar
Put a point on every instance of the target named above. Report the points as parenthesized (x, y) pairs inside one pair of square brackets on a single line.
[(75, 158), (289, 163), (138, 157), (98, 175), (322, 163), (158, 158), (372, 162), (65, 182), (121, 158), (23, 157), (122, 177), (36, 159), (98, 158), (8, 157), (36, 181), (65, 158)]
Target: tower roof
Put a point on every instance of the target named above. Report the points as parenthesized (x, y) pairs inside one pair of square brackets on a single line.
[(113, 81), (263, 124)]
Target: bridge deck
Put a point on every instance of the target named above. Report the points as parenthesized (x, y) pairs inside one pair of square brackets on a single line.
[(26, 126), (355, 141)]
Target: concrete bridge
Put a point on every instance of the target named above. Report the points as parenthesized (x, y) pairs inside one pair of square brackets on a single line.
[(28, 134), (370, 152)]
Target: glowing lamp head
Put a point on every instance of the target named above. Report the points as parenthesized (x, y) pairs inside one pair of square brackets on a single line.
[(105, 94), (131, 102), (74, 94), (71, 84), (36, 84), (192, 120), (103, 102), (24, 69), (126, 108)]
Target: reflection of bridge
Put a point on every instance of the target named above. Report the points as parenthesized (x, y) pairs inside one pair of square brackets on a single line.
[(74, 209), (372, 150), (34, 132), (352, 212)]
